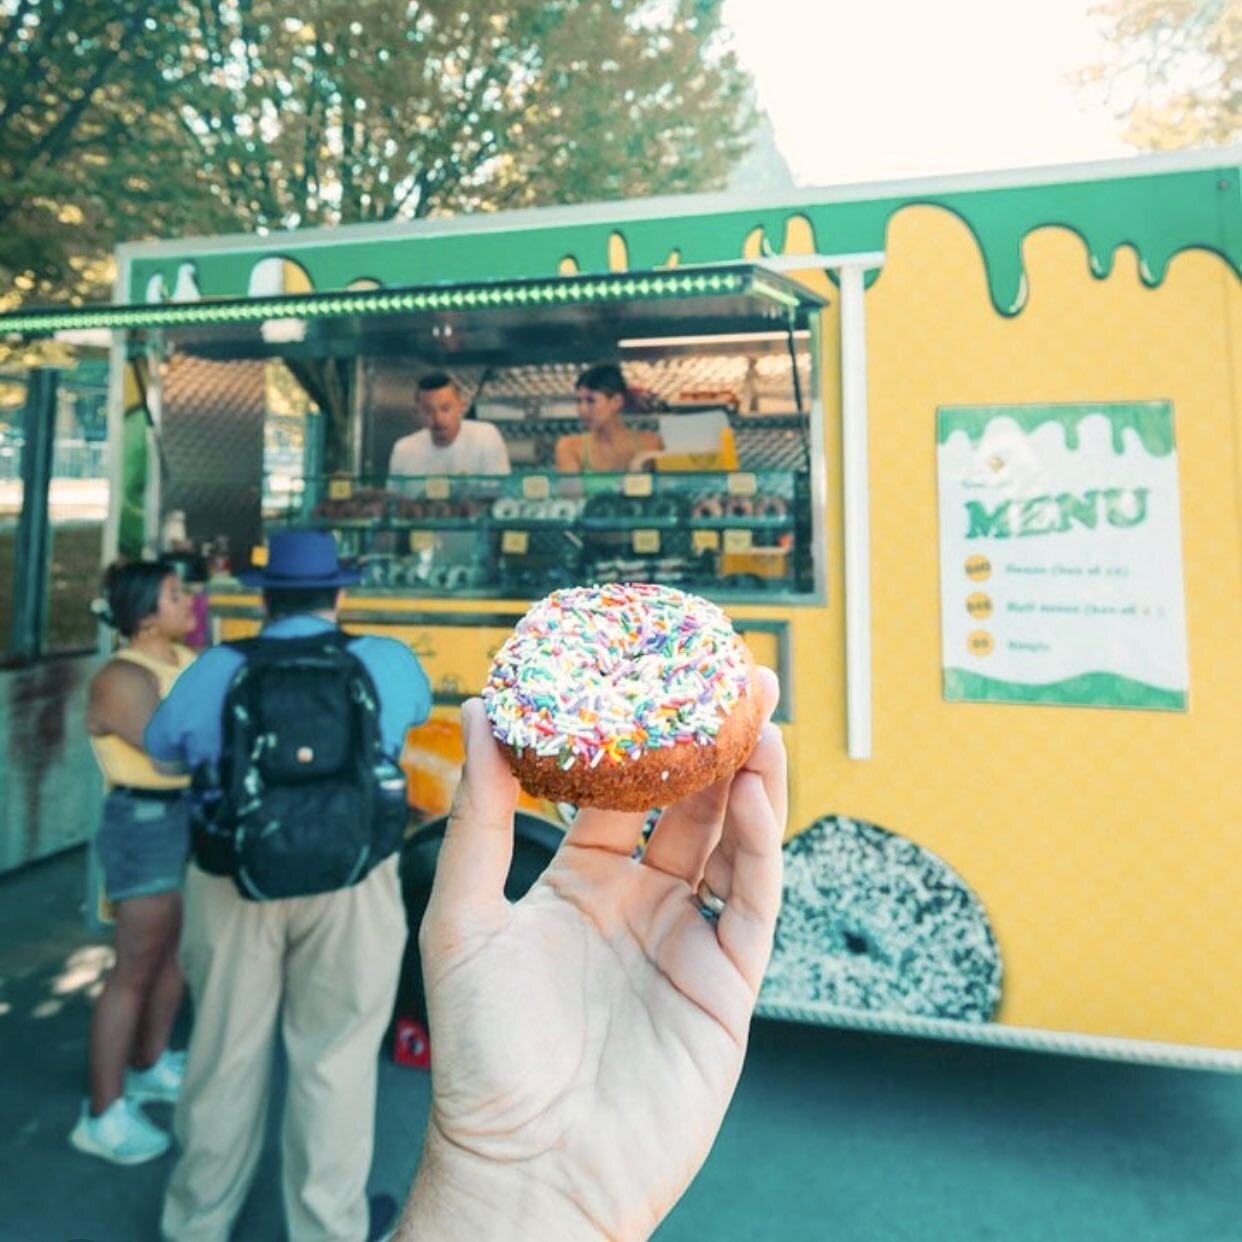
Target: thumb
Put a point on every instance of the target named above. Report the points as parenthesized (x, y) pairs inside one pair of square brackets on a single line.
[(478, 846)]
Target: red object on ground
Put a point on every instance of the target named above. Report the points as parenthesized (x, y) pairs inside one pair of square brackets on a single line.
[(411, 1044)]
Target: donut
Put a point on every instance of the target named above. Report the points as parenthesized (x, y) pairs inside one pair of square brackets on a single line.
[(871, 920), (707, 507), (740, 506), (770, 507), (624, 696), (660, 509)]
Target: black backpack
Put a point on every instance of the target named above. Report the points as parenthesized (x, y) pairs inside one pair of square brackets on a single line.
[(304, 800)]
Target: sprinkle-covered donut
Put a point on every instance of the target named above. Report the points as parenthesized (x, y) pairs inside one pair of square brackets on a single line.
[(626, 696), (871, 920)]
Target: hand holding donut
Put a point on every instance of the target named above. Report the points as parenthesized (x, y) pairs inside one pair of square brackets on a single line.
[(588, 1039)]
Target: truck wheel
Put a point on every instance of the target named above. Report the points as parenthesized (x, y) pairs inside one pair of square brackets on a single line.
[(534, 842)]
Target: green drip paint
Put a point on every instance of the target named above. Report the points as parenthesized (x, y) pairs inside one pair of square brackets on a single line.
[(1151, 421), (1085, 690), (1160, 215)]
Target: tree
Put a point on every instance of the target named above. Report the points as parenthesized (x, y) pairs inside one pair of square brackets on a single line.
[(121, 121), (78, 142), (1175, 70), (335, 111)]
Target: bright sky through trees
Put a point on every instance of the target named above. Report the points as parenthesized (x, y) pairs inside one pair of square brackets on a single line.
[(907, 88)]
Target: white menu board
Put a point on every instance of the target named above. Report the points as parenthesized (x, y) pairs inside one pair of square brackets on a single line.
[(1061, 555)]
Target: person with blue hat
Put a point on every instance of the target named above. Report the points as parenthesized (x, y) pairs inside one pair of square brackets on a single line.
[(325, 964)]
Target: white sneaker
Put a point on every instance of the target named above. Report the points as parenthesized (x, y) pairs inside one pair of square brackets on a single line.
[(121, 1134), (175, 1057), (159, 1083)]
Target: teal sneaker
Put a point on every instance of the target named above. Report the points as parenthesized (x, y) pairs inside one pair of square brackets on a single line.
[(160, 1083), (121, 1134)]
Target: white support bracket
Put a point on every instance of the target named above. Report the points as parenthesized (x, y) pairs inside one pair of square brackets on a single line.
[(851, 270), (856, 504)]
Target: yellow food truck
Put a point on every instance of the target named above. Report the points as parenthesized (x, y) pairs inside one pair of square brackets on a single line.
[(960, 458)]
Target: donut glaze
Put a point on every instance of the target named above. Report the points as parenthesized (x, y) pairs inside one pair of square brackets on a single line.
[(626, 696)]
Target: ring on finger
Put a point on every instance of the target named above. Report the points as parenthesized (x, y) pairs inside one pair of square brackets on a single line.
[(711, 905)]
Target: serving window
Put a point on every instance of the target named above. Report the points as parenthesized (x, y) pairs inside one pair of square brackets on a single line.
[(284, 422)]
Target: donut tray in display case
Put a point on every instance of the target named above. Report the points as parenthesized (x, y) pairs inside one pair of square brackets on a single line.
[(522, 535)]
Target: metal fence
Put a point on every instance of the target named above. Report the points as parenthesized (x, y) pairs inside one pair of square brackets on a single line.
[(71, 459)]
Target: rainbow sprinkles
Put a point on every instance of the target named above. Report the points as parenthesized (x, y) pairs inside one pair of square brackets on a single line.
[(605, 674)]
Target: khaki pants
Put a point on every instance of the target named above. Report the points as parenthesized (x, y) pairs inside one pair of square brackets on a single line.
[(327, 968)]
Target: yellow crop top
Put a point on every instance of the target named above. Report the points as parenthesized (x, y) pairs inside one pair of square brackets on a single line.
[(123, 764)]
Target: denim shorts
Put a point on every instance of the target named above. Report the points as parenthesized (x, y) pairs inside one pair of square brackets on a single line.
[(143, 843)]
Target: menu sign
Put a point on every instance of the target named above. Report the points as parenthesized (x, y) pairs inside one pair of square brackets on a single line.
[(1061, 555)]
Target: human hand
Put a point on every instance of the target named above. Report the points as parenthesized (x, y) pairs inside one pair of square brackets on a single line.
[(588, 1038)]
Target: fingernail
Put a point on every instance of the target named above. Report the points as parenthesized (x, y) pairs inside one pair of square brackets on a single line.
[(473, 717), (772, 691)]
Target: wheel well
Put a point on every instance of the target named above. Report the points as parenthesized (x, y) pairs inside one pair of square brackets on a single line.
[(535, 840)]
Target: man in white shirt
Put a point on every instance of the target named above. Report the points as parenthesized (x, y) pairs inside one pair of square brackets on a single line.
[(447, 444)]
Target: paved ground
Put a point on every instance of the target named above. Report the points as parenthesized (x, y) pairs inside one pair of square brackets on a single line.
[(833, 1135)]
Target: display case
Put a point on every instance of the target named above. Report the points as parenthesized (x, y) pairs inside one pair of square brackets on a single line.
[(726, 534)]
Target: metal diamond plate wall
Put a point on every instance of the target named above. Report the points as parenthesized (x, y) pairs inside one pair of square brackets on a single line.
[(213, 441)]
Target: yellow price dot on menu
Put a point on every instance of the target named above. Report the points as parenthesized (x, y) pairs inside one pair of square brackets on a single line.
[(978, 568), (705, 540), (741, 485), (515, 542), (636, 485), (340, 489), (738, 540), (646, 541), (422, 540), (536, 487), (979, 643), (979, 604), (437, 489)]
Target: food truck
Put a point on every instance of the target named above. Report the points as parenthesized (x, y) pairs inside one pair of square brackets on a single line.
[(958, 457)]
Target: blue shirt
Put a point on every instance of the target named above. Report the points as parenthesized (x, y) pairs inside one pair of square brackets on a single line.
[(186, 726)]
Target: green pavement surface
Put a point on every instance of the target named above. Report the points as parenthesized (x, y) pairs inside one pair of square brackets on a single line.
[(833, 1135)]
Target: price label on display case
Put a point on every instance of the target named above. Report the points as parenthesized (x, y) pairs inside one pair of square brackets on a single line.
[(705, 540), (636, 485), (422, 540), (738, 540), (340, 489), (536, 487), (515, 542), (646, 541), (741, 485), (437, 489)]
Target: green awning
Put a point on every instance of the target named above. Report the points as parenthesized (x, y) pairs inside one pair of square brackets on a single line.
[(663, 300)]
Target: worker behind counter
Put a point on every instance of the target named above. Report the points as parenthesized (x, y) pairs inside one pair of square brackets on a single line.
[(607, 444), (448, 443)]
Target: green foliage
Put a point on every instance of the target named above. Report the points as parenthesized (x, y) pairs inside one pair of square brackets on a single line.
[(345, 110), (123, 121), (1174, 70), (80, 138)]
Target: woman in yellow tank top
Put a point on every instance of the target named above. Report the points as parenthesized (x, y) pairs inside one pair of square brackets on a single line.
[(608, 444), (142, 842)]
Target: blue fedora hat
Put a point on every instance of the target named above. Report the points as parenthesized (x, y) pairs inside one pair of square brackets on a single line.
[(299, 560)]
